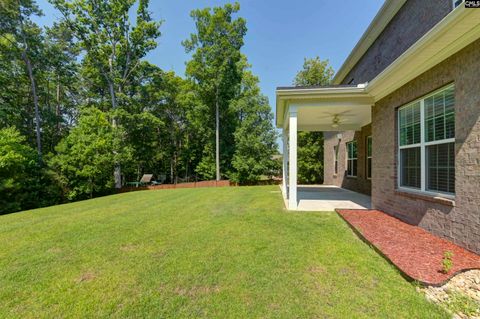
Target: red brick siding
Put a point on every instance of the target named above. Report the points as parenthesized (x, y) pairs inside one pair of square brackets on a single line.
[(459, 223), (411, 22), (360, 183)]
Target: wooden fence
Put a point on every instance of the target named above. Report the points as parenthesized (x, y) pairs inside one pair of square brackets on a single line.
[(180, 185)]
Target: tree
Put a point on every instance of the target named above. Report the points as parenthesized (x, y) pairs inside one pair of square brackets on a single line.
[(16, 159), (85, 157), (24, 184), (314, 72), (255, 135), (113, 46), (310, 144), (25, 37), (215, 71)]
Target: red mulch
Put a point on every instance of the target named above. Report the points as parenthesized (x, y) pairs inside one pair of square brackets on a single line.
[(416, 252)]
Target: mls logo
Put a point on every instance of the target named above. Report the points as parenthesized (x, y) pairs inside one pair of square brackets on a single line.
[(472, 4)]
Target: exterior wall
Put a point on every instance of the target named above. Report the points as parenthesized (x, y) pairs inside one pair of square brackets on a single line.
[(458, 221), (411, 22), (358, 184)]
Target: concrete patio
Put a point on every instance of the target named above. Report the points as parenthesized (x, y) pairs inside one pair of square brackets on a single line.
[(329, 198)]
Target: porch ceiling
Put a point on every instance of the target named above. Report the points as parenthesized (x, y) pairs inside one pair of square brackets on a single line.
[(335, 108)]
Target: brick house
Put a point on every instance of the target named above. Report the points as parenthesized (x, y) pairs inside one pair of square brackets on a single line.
[(401, 121)]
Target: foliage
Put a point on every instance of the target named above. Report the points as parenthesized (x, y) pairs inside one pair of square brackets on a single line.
[(447, 262), (86, 157), (310, 157), (255, 135), (113, 47), (23, 184), (96, 93), (216, 72), (315, 72)]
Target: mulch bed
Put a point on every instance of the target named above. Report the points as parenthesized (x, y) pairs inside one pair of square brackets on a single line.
[(416, 252)]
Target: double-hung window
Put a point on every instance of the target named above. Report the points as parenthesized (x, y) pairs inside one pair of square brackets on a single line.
[(369, 157), (352, 159), (427, 143)]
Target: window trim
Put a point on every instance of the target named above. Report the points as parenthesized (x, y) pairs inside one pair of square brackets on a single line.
[(423, 146), (351, 159), (369, 138)]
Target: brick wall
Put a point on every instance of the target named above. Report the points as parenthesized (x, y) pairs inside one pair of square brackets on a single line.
[(360, 183), (458, 221), (411, 22)]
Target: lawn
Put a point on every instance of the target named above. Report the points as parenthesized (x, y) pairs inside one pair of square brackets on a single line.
[(195, 253)]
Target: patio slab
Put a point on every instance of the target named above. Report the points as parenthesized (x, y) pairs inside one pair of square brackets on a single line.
[(327, 198), (416, 252)]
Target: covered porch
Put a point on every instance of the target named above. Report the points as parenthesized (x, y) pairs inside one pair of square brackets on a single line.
[(334, 109), (327, 198)]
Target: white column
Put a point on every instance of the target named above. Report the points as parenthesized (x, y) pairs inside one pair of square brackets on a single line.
[(285, 163), (292, 181)]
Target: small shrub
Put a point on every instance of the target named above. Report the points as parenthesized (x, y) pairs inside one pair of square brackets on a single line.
[(447, 262)]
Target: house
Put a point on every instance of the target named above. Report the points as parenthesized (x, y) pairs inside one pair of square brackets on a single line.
[(402, 119)]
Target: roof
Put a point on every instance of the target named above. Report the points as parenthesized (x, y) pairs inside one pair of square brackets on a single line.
[(301, 87), (457, 30), (376, 27)]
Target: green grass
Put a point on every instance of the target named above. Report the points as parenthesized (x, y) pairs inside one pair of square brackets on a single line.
[(195, 253)]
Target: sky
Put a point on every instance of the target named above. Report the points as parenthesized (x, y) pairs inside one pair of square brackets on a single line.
[(280, 33)]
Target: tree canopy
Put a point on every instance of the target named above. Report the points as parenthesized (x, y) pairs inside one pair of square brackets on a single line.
[(83, 111), (315, 72)]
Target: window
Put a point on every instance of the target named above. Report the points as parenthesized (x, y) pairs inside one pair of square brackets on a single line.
[(427, 143), (456, 3), (352, 159), (335, 159), (369, 157)]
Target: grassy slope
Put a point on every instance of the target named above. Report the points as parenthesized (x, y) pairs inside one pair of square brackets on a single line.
[(192, 253)]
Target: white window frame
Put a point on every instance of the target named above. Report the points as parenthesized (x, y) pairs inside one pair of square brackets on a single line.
[(369, 138), (423, 147), (351, 159)]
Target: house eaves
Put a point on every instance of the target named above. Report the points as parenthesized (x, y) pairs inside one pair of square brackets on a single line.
[(453, 33)]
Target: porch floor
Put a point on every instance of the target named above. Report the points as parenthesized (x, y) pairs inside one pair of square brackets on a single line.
[(417, 253), (328, 198)]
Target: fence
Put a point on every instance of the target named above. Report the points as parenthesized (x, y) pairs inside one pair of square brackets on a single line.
[(180, 185)]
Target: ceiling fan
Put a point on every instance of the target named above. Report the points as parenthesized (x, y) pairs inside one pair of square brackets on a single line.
[(335, 121), (336, 117)]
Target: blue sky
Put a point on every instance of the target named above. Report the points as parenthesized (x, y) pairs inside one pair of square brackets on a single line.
[(280, 33)]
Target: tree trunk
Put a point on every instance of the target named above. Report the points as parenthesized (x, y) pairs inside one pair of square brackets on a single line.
[(57, 107), (217, 136), (28, 63), (117, 171), (35, 103)]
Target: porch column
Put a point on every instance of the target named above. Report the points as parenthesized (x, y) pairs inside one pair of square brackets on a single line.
[(285, 163), (292, 180)]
